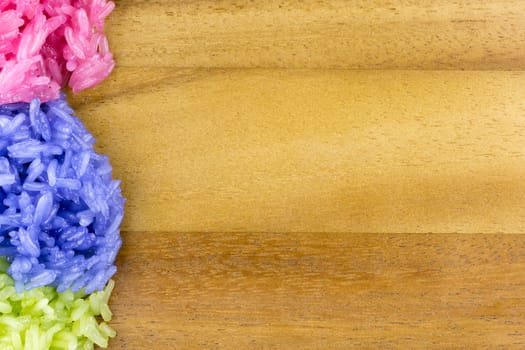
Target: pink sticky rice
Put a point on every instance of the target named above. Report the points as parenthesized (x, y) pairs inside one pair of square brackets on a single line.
[(48, 44)]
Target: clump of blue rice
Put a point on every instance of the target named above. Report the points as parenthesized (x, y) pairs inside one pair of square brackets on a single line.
[(60, 209)]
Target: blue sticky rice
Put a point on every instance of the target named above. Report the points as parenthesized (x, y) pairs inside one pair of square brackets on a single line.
[(60, 209)]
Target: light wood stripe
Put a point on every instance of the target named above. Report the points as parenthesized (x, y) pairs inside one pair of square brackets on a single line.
[(314, 150)]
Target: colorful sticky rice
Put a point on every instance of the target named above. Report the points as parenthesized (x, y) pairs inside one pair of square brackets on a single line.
[(42, 319), (60, 215), (60, 209), (46, 44)]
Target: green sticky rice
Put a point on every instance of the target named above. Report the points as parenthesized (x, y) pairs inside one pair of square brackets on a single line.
[(42, 319)]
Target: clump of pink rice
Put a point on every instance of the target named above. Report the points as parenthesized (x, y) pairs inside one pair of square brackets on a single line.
[(48, 44)]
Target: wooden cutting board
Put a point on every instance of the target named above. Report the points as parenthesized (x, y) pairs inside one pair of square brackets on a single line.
[(317, 175)]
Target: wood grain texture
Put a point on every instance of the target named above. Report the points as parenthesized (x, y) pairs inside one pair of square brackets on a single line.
[(343, 171), (357, 34), (314, 151), (320, 291)]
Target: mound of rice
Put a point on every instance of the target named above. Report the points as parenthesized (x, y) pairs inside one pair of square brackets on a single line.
[(44, 44), (42, 319), (60, 209)]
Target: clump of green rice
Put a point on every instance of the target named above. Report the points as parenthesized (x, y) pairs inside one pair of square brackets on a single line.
[(42, 319)]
